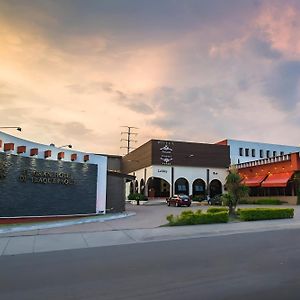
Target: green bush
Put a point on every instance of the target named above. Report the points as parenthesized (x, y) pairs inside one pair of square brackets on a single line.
[(268, 201), (199, 198), (137, 196), (246, 201), (216, 209), (253, 214), (193, 218)]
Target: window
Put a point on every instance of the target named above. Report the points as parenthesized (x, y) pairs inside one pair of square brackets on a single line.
[(241, 152), (253, 152), (261, 153), (181, 188), (274, 153), (281, 153), (268, 153), (246, 152)]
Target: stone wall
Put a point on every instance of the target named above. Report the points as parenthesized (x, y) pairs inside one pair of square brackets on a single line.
[(39, 187)]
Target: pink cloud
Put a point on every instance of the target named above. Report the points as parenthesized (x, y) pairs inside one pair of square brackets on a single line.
[(281, 24)]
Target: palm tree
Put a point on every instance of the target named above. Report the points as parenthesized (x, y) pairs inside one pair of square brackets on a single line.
[(236, 190)]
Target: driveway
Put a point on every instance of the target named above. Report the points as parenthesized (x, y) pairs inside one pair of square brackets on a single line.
[(146, 217)]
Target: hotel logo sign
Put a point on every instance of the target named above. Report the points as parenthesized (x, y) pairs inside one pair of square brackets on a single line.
[(166, 154)]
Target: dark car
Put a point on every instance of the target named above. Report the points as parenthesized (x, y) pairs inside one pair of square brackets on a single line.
[(215, 200), (179, 200)]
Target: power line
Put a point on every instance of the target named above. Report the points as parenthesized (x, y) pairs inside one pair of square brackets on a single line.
[(129, 134)]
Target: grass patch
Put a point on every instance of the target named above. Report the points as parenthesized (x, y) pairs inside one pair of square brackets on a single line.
[(268, 201), (216, 209)]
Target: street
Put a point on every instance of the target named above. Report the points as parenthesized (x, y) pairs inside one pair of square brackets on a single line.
[(263, 265)]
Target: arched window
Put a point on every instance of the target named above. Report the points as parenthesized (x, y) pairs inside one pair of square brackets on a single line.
[(215, 188), (182, 186), (199, 188)]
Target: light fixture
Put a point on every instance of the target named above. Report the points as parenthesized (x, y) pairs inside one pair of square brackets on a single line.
[(68, 146), (11, 127)]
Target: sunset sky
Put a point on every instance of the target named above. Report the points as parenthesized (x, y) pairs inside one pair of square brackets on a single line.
[(73, 72)]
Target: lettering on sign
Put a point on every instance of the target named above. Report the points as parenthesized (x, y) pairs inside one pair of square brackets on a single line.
[(162, 171), (166, 153), (45, 177)]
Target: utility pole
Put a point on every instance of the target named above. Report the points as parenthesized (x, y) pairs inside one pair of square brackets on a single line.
[(129, 133)]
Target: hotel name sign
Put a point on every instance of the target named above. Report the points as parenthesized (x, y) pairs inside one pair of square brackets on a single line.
[(34, 176), (45, 177)]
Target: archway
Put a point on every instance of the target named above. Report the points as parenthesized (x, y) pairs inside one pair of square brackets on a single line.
[(182, 186), (136, 186), (215, 188), (199, 188), (131, 188), (142, 186), (158, 187)]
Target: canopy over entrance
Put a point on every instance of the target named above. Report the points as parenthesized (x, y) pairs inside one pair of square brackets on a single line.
[(277, 180), (254, 181)]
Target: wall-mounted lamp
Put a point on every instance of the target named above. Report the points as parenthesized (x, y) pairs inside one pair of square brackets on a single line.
[(67, 146), (11, 127)]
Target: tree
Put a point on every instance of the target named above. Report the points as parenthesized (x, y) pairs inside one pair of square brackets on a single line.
[(235, 190)]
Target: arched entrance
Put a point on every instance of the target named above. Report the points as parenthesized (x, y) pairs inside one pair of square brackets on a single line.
[(158, 187), (136, 186), (131, 188), (215, 188), (199, 188), (142, 186), (182, 186)]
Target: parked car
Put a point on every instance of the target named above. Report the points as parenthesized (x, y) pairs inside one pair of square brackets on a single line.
[(215, 200), (179, 200)]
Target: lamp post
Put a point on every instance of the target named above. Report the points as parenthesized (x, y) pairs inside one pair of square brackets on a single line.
[(11, 127)]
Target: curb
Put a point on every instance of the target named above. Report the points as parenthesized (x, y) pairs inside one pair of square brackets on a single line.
[(49, 225)]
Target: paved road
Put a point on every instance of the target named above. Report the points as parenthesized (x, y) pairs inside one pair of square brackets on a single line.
[(242, 266)]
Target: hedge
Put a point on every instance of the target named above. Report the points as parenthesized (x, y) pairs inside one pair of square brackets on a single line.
[(194, 218), (137, 196), (268, 201), (216, 209), (253, 214)]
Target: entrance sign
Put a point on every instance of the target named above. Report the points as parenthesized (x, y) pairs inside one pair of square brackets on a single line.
[(39, 187)]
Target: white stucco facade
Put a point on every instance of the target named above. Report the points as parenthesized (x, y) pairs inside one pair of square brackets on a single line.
[(189, 173), (256, 150)]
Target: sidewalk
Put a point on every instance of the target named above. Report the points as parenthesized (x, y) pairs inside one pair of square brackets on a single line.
[(36, 243)]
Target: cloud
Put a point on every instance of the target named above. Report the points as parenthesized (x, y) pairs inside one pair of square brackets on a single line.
[(283, 85), (198, 70), (136, 102), (262, 47)]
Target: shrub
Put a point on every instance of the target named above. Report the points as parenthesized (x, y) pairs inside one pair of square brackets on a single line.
[(137, 196), (253, 214), (193, 218), (246, 201), (198, 198), (268, 201), (216, 209)]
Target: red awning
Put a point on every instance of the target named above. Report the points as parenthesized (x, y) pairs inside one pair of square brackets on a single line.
[(277, 180), (254, 181)]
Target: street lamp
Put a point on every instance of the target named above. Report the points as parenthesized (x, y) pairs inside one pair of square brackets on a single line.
[(9, 127)]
